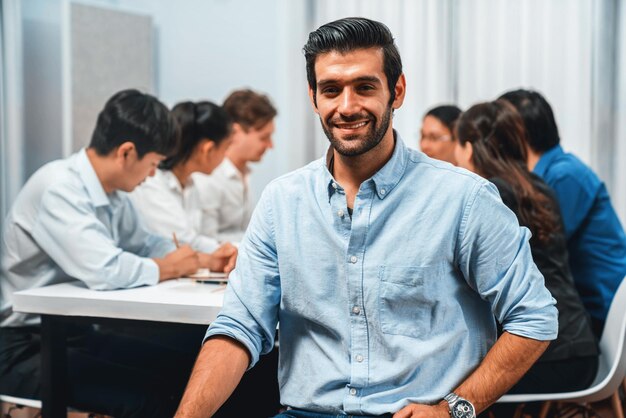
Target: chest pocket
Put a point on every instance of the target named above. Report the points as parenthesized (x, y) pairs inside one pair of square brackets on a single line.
[(408, 301)]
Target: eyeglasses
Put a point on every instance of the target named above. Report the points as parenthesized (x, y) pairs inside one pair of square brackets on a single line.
[(433, 138)]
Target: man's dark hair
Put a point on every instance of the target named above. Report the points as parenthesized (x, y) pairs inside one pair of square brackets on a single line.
[(132, 116), (197, 121), (541, 130), (249, 109), (349, 34), (446, 114)]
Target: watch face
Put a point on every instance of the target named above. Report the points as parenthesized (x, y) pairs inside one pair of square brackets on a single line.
[(463, 409)]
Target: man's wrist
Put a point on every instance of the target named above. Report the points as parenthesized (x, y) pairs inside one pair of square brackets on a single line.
[(444, 409)]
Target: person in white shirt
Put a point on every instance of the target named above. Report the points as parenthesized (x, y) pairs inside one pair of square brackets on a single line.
[(73, 220), (169, 202), (225, 194)]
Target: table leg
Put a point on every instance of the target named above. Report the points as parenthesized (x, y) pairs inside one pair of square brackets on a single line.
[(53, 367)]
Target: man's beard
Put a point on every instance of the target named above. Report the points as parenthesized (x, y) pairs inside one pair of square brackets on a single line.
[(366, 142)]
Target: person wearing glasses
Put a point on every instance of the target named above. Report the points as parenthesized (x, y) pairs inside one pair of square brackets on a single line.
[(436, 135)]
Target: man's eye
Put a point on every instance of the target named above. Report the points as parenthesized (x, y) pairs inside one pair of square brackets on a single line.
[(366, 87), (330, 90)]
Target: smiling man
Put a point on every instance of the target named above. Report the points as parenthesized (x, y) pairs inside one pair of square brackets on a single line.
[(386, 268), (73, 221)]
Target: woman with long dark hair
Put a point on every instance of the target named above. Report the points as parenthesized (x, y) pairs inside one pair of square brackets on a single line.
[(491, 143)]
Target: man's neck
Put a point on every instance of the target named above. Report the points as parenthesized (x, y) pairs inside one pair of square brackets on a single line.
[(240, 163), (350, 172), (103, 170)]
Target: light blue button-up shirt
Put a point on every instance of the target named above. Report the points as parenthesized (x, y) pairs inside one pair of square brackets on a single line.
[(63, 226), (393, 305)]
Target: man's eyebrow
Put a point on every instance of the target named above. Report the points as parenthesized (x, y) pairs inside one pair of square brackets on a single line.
[(365, 78)]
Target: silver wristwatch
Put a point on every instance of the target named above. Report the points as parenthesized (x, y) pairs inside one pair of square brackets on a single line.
[(459, 407)]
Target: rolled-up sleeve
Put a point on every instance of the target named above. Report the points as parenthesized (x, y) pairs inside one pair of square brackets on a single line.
[(496, 260), (250, 311)]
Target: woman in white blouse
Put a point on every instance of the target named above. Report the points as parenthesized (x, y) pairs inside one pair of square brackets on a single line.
[(169, 201)]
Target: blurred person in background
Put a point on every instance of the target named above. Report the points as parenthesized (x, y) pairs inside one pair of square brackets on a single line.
[(437, 133), (225, 194), (169, 201), (72, 221)]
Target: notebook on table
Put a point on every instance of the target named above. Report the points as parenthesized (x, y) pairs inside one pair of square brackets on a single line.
[(205, 275)]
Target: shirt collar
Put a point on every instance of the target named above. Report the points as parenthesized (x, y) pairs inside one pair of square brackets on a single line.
[(385, 179), (546, 160), (91, 181), (172, 181), (231, 171)]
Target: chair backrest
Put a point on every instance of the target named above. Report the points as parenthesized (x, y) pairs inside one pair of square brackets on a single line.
[(12, 400), (612, 367)]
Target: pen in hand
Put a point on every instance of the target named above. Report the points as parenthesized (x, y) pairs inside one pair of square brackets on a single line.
[(175, 240)]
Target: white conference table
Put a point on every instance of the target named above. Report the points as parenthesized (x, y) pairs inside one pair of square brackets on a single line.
[(174, 302)]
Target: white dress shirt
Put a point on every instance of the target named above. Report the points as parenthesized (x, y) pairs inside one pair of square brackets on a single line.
[(63, 226), (226, 206), (167, 207)]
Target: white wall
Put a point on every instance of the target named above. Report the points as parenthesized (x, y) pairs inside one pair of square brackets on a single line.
[(43, 85), (619, 195), (12, 104), (452, 51)]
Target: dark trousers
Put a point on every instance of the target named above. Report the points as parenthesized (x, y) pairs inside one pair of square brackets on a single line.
[(130, 372), (112, 374), (558, 376), (552, 377)]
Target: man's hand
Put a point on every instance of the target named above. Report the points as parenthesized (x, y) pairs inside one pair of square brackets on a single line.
[(222, 259), (441, 410), (180, 262)]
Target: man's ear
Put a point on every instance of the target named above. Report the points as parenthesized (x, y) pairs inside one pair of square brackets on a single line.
[(400, 91), (124, 151), (312, 98), (237, 130)]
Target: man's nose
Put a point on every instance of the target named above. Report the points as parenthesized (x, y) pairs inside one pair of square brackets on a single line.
[(348, 102)]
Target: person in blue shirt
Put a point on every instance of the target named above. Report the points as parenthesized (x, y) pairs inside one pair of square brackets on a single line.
[(385, 268), (595, 237), (72, 220)]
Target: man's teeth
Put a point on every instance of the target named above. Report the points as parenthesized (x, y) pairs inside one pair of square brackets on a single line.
[(353, 126)]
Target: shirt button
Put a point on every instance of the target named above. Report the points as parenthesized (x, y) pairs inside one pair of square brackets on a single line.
[(383, 191), (353, 259), (340, 213), (353, 391), (359, 358), (334, 185), (356, 310)]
